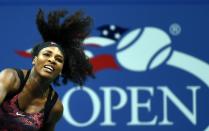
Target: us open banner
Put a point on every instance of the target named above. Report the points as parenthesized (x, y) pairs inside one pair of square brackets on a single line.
[(151, 61)]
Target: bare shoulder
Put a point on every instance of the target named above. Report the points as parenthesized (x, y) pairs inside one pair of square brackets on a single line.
[(8, 72), (54, 116), (58, 107), (9, 79), (56, 112)]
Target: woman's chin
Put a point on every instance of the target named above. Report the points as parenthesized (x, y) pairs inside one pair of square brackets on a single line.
[(48, 75)]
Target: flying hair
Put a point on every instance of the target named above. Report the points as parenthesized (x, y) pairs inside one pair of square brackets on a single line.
[(68, 31)]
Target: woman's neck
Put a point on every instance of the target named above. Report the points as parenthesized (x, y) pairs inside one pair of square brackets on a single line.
[(36, 85)]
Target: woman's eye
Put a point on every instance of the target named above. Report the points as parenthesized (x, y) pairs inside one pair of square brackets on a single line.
[(46, 54), (60, 60)]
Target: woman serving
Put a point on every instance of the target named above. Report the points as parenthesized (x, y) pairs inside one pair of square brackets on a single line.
[(27, 99)]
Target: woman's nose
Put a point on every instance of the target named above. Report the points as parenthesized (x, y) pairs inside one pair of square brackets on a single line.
[(52, 60)]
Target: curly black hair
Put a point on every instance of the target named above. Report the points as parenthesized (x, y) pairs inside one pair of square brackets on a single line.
[(68, 31)]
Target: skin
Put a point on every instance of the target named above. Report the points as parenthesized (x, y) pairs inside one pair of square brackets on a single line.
[(34, 94)]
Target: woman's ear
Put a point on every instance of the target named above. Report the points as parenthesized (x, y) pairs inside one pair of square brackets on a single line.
[(34, 60)]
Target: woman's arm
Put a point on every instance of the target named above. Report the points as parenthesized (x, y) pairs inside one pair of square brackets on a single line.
[(8, 82), (54, 116)]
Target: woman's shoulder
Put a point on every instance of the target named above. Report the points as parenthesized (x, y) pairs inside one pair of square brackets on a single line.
[(9, 79), (55, 113), (7, 71), (57, 108), (12, 72)]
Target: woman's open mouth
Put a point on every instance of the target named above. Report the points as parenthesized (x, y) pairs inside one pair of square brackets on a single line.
[(49, 68)]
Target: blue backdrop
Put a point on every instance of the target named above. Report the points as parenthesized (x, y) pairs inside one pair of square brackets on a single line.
[(150, 57)]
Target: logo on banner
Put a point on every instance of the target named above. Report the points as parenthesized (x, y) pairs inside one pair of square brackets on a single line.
[(136, 50), (140, 50)]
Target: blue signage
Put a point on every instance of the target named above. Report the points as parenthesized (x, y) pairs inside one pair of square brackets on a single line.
[(151, 62)]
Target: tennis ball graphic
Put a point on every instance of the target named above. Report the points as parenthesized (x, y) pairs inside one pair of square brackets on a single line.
[(144, 49)]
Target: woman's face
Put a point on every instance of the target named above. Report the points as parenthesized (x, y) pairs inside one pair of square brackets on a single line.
[(49, 62)]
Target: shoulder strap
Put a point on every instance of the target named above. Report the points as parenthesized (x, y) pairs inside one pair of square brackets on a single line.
[(20, 75), (49, 103), (22, 78), (26, 77)]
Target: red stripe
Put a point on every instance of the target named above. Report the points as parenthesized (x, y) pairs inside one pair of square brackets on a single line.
[(99, 63), (24, 54), (104, 61)]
